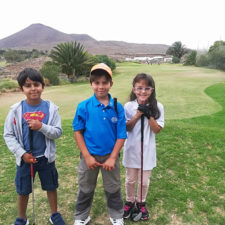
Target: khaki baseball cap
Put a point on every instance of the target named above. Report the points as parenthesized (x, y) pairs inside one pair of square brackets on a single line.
[(102, 66)]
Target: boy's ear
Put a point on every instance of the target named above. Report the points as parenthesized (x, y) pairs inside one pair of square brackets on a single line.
[(111, 83)]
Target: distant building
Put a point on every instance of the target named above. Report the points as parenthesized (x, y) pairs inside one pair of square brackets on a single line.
[(150, 60)]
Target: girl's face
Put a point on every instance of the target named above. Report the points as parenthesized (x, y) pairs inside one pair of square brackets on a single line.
[(143, 91)]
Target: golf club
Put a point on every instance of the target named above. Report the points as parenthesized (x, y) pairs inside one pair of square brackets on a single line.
[(32, 172), (137, 214)]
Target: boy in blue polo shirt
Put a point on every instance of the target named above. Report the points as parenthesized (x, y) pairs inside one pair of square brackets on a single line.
[(100, 131)]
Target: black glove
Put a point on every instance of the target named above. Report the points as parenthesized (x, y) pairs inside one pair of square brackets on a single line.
[(145, 109)]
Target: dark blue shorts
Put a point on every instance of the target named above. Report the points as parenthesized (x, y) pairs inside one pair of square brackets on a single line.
[(47, 173)]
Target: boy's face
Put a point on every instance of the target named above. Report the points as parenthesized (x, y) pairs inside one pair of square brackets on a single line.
[(32, 90), (101, 87)]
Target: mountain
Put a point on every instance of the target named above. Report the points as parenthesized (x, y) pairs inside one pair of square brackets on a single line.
[(39, 36)]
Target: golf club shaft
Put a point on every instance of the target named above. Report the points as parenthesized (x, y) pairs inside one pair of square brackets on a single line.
[(32, 186), (32, 173), (142, 140)]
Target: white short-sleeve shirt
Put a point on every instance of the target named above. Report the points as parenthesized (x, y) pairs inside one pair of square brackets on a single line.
[(132, 147)]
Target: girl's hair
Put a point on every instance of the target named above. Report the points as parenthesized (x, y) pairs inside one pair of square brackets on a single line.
[(31, 73), (152, 102)]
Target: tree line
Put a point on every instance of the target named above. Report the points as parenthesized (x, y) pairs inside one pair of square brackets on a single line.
[(213, 58)]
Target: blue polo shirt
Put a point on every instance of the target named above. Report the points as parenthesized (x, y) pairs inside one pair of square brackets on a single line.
[(101, 124)]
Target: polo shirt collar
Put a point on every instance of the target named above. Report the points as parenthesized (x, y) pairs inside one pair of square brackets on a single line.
[(97, 103)]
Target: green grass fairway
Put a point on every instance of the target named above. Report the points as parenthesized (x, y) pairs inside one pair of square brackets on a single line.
[(179, 88), (187, 186)]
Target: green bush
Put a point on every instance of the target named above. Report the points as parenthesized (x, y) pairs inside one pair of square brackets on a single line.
[(175, 59), (191, 59), (202, 60), (8, 84), (217, 58), (51, 71), (105, 59), (13, 56)]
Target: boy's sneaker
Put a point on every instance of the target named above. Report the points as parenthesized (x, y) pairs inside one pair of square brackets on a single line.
[(82, 222), (56, 219), (142, 208), (20, 221), (117, 221), (127, 209)]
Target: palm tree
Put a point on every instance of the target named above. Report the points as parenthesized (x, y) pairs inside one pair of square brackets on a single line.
[(70, 56), (177, 50)]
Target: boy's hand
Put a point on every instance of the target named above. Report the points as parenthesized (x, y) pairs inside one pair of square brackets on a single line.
[(109, 164), (91, 162), (34, 124), (28, 158)]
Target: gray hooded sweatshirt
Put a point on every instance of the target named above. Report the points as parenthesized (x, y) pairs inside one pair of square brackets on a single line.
[(13, 134)]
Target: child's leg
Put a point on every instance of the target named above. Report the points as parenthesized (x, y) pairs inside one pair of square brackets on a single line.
[(87, 182), (22, 205), (112, 188), (130, 183), (52, 199), (145, 185), (23, 188), (49, 181)]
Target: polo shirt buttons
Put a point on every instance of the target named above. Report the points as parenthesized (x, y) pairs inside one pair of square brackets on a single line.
[(104, 118)]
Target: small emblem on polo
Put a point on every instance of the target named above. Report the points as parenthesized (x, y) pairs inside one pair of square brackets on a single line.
[(114, 119)]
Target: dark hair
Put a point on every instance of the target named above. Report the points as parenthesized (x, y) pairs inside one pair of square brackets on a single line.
[(152, 102), (31, 73), (99, 73)]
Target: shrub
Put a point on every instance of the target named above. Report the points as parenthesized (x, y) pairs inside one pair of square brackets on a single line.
[(190, 59), (51, 71), (175, 59), (202, 60), (13, 56), (217, 58), (8, 84), (105, 59)]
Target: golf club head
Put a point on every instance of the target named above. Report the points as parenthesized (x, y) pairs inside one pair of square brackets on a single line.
[(136, 214)]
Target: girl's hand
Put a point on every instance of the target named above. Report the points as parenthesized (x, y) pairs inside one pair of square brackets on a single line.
[(109, 164), (138, 114), (91, 162), (28, 158), (34, 124)]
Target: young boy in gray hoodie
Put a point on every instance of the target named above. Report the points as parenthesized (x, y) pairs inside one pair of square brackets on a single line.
[(30, 130)]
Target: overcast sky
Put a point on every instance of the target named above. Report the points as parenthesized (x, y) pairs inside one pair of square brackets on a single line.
[(196, 23)]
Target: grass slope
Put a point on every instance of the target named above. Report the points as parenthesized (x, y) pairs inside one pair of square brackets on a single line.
[(187, 186)]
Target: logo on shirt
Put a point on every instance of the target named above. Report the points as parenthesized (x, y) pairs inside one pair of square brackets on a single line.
[(114, 119), (34, 115)]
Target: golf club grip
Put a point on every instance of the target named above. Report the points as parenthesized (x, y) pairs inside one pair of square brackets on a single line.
[(32, 170)]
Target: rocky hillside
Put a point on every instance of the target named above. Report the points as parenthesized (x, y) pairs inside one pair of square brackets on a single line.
[(38, 36)]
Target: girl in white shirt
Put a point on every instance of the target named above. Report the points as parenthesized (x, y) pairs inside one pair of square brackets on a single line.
[(142, 102)]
